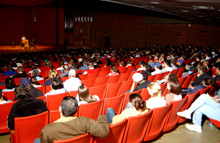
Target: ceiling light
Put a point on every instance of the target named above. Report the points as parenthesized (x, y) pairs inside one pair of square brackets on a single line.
[(185, 10), (154, 2), (204, 7)]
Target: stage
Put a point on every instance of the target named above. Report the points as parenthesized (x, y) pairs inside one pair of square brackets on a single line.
[(8, 49)]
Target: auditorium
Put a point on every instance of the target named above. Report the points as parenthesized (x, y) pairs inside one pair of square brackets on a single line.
[(109, 71)]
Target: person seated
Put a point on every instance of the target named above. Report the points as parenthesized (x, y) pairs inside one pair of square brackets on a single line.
[(10, 71), (174, 91), (137, 107), (10, 85), (166, 66), (173, 64), (83, 96), (203, 105), (140, 80), (25, 106), (65, 71), (156, 99), (2, 100), (61, 62), (21, 73), (36, 74), (32, 90), (217, 76), (91, 69), (200, 76), (121, 64), (142, 66), (157, 67), (129, 64), (85, 65), (114, 70), (56, 87), (68, 126), (34, 82), (179, 63), (33, 67), (52, 74), (73, 80)]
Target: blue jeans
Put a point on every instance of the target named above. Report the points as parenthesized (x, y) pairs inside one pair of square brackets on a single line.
[(37, 140), (204, 104), (110, 113)]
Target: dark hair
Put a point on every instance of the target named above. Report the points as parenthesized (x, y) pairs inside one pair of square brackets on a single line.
[(175, 87), (69, 106), (10, 84), (35, 72), (34, 80), (55, 83), (21, 92), (1, 93), (114, 68), (203, 69), (172, 76), (211, 82), (20, 69), (137, 102), (84, 95), (145, 75)]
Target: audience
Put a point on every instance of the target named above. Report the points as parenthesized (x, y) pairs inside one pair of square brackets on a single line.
[(73, 83), (140, 81), (56, 87), (21, 73), (10, 71), (10, 85), (114, 70)]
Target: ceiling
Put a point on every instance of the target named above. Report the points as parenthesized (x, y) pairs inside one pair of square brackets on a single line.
[(195, 11)]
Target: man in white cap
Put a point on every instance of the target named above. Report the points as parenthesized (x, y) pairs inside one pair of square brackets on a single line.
[(140, 80), (73, 82)]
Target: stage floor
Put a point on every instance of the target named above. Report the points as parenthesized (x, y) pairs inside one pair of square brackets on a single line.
[(8, 49)]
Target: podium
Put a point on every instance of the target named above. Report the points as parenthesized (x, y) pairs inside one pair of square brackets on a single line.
[(25, 44)]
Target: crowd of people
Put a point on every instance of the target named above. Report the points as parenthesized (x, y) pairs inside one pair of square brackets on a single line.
[(204, 61)]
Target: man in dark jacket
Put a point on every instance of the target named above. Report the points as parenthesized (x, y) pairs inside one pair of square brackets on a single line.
[(25, 106)]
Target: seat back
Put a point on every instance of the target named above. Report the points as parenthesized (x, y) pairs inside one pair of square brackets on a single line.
[(17, 80), (9, 95), (103, 73), (145, 94), (27, 129), (4, 112), (157, 122), (123, 69), (187, 81), (113, 79), (99, 91), (105, 68), (165, 74), (73, 93), (64, 78), (215, 122), (112, 90), (194, 77), (180, 72), (85, 138), (54, 115), (189, 101), (113, 102), (54, 101), (203, 91), (181, 80), (136, 128), (100, 81), (92, 75), (175, 71), (130, 69), (83, 76), (88, 82), (173, 119), (115, 135), (91, 110), (123, 77), (126, 85), (158, 77), (151, 78)]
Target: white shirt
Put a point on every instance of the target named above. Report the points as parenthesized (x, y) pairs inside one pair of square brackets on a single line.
[(72, 84), (155, 102), (8, 90), (3, 102), (168, 69), (156, 72), (58, 91), (177, 97)]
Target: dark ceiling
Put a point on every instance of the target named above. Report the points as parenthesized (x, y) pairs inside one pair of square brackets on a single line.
[(195, 11)]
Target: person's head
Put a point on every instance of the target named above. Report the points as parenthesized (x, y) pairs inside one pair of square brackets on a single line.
[(166, 63), (34, 80), (143, 64), (172, 76), (52, 74), (33, 67), (145, 75), (202, 69), (68, 106), (114, 68), (65, 68), (9, 66), (206, 82), (10, 84), (91, 66), (121, 63), (20, 69), (172, 62), (35, 72), (84, 95), (174, 87), (135, 100), (218, 70), (72, 73), (154, 90), (55, 83), (137, 77), (21, 92)]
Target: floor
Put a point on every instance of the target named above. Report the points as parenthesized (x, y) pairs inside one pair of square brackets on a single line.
[(180, 135)]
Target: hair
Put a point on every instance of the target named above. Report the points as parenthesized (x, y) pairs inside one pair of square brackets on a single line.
[(122, 63), (173, 62), (202, 68), (137, 102), (145, 75), (172, 76), (154, 90), (84, 95), (211, 82), (55, 83), (35, 72), (114, 68), (20, 69), (175, 87), (34, 80), (69, 106), (21, 92), (108, 62), (52, 74), (10, 84), (66, 68)]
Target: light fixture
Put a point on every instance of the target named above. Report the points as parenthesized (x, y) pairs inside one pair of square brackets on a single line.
[(154, 2), (203, 7), (185, 10)]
